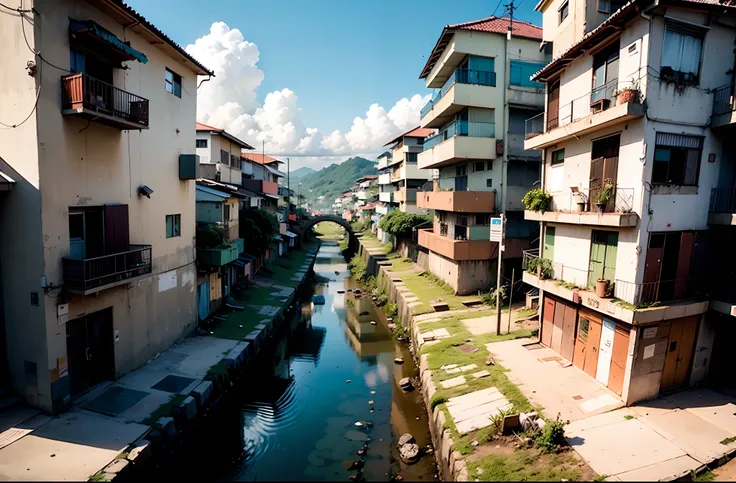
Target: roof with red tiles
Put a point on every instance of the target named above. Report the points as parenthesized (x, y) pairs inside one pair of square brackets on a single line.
[(261, 158), (417, 132), (205, 128), (494, 25)]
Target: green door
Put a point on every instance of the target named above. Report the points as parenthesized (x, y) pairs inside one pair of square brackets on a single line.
[(549, 243), (603, 250)]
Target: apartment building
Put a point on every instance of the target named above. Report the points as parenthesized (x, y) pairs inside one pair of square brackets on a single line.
[(482, 97), (220, 155), (98, 270), (636, 271), (402, 171), (265, 179)]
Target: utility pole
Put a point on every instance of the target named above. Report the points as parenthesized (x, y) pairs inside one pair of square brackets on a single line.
[(511, 296), (499, 239), (288, 185)]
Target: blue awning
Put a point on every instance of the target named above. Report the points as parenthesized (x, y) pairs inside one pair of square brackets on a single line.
[(88, 31)]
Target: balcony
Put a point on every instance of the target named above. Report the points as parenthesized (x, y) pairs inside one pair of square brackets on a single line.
[(385, 196), (458, 250), (92, 275), (384, 178), (382, 209), (217, 256), (92, 99), (724, 110), (464, 88), (458, 201), (617, 212), (722, 210), (405, 195), (596, 110), (262, 186), (460, 141)]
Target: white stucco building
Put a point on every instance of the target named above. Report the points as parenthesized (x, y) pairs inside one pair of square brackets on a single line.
[(637, 161)]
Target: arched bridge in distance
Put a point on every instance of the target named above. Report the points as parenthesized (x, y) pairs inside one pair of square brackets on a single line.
[(353, 243)]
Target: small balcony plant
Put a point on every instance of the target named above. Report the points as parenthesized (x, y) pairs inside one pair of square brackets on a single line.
[(604, 195), (537, 200), (630, 93), (601, 287)]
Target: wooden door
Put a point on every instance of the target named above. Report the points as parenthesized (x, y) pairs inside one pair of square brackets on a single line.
[(605, 351), (581, 340), (568, 333), (603, 168), (618, 359), (549, 243), (553, 105), (557, 327), (592, 346), (679, 353), (101, 350), (652, 268), (687, 246), (548, 315), (117, 232)]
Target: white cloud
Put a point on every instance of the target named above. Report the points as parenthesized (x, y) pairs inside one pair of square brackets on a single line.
[(229, 101)]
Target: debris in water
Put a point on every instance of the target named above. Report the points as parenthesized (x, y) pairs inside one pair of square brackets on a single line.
[(370, 402), (348, 381), (373, 392), (399, 360)]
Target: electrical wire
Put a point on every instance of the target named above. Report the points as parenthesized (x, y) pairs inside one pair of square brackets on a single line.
[(33, 51), (35, 104), (496, 9), (18, 9)]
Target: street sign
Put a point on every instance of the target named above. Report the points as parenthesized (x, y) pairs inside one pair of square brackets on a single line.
[(496, 230)]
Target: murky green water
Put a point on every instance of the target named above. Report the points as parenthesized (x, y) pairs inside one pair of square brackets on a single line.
[(295, 419)]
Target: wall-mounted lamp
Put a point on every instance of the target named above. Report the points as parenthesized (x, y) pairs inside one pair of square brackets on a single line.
[(145, 191)]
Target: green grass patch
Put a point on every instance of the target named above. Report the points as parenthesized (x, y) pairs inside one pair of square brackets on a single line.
[(705, 476), (600, 478), (628, 417), (99, 476), (164, 410), (329, 229), (524, 465), (122, 455), (525, 313), (728, 440)]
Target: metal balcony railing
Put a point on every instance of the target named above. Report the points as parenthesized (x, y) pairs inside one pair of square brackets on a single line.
[(722, 200), (660, 291), (528, 256), (621, 201), (85, 275), (461, 128), (723, 100), (597, 100), (460, 76), (80, 91)]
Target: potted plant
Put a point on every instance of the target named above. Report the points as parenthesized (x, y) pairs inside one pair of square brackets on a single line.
[(601, 287), (604, 195), (580, 200), (629, 93), (537, 200)]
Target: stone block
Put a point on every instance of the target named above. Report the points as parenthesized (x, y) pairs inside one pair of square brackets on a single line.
[(140, 453), (167, 428), (188, 408), (117, 467)]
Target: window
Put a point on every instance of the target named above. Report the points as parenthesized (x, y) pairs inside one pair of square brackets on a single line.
[(489, 183), (460, 170), (201, 143), (609, 6), (235, 161), (681, 52), (558, 157), (583, 326), (173, 83), (443, 229), (442, 216), (76, 226), (173, 226), (489, 165), (479, 166), (483, 219), (564, 10), (411, 158), (224, 157), (226, 216), (676, 159)]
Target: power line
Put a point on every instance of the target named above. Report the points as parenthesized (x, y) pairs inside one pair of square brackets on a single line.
[(496, 9)]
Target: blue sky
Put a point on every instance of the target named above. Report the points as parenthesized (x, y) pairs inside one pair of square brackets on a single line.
[(338, 56)]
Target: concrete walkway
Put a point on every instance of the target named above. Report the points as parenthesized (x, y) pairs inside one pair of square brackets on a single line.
[(113, 416), (656, 440)]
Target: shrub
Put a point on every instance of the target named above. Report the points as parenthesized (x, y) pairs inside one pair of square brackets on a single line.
[(552, 436), (398, 223), (370, 283), (544, 263), (537, 200), (489, 298), (357, 267), (437, 399), (390, 309)]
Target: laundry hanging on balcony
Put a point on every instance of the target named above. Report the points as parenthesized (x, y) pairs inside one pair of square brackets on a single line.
[(93, 36)]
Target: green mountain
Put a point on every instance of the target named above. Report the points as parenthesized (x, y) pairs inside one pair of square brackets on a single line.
[(300, 173), (332, 180)]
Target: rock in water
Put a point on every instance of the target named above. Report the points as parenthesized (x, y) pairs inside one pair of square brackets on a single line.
[(406, 384), (405, 438), (409, 453), (399, 360), (373, 322)]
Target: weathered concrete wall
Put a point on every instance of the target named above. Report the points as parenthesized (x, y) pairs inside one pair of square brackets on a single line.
[(466, 277)]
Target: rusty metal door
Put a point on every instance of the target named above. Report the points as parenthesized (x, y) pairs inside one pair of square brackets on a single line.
[(568, 332), (593, 346), (618, 360), (679, 353), (548, 315)]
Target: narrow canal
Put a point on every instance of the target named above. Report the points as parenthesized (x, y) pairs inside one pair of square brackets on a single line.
[(293, 419)]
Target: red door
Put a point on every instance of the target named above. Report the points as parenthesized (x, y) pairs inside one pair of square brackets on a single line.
[(548, 314)]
